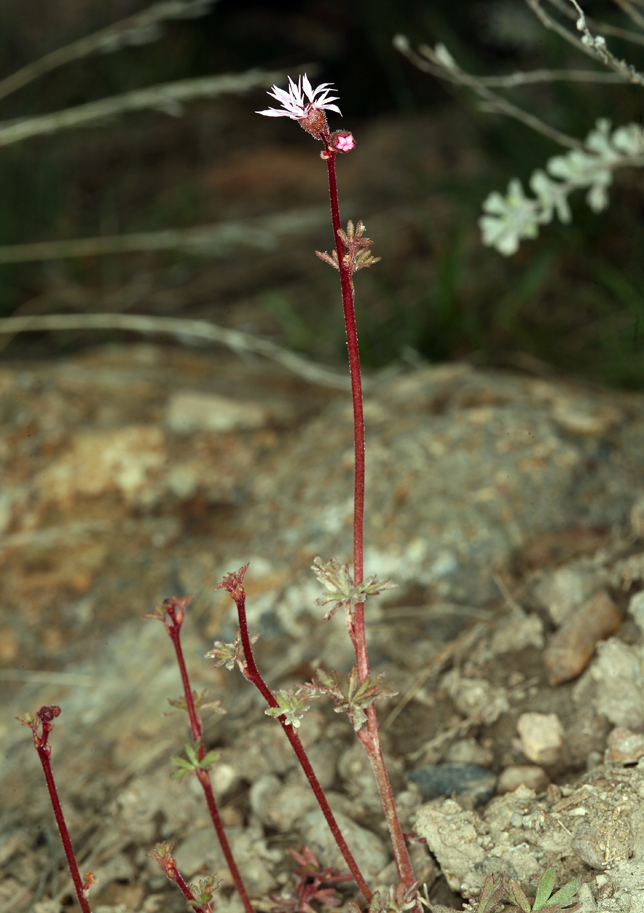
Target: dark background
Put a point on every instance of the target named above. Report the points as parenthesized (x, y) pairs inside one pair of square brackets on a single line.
[(427, 157)]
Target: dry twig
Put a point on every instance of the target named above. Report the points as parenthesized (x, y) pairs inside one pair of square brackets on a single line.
[(182, 328)]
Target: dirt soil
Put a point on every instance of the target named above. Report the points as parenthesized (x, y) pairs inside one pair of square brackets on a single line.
[(508, 509)]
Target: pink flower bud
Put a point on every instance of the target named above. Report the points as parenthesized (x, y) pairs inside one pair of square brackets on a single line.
[(342, 141)]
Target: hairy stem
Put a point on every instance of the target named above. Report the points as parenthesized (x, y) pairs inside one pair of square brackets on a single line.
[(176, 614), (370, 738), (44, 752), (253, 675)]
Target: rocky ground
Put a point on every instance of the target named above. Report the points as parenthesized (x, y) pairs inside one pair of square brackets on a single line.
[(509, 510)]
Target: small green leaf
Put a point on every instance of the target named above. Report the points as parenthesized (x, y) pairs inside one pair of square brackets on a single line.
[(565, 895), (544, 888), (491, 893), (518, 896)]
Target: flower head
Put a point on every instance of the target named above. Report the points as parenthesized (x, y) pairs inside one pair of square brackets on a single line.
[(293, 102)]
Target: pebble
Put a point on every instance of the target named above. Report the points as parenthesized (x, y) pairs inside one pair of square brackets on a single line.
[(368, 849), (573, 645), (541, 736), (189, 411), (516, 775), (468, 751), (562, 590), (286, 806), (470, 780), (624, 746)]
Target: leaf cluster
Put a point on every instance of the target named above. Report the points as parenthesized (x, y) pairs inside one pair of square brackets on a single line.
[(309, 888), (338, 581), (192, 763), (502, 893), (358, 697), (511, 218)]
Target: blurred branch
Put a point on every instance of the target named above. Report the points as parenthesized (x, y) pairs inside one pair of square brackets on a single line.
[(605, 27), (215, 239), (141, 28), (180, 328), (592, 45), (440, 63), (168, 97)]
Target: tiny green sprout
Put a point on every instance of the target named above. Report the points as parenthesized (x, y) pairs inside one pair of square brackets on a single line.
[(180, 704), (498, 890), (205, 891), (560, 900), (359, 696), (293, 704), (229, 654), (193, 762), (339, 582)]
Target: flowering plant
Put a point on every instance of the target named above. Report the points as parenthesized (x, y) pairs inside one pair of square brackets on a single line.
[(345, 588)]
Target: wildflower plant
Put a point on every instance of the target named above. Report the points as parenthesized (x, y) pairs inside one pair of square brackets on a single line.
[(347, 589)]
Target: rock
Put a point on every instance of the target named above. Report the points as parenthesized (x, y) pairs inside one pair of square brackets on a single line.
[(620, 692), (475, 697), (451, 835), (368, 849), (637, 517), (600, 824), (201, 852), (562, 590), (516, 775), (572, 646), (468, 751), (469, 781), (261, 792), (624, 746), (284, 808), (603, 842), (189, 411), (541, 736)]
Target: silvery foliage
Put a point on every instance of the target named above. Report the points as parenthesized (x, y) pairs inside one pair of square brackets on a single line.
[(514, 217)]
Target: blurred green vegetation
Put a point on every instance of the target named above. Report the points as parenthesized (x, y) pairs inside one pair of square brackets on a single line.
[(572, 300)]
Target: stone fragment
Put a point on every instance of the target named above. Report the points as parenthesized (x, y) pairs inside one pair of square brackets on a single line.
[(261, 793), (468, 751), (562, 590), (465, 780), (624, 746), (286, 806), (452, 836), (368, 849), (516, 775), (603, 843), (189, 411), (541, 736), (637, 517), (572, 646), (620, 693), (200, 852)]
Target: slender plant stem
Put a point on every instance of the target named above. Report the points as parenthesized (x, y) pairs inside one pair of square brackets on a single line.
[(184, 887), (253, 675), (44, 752), (175, 610), (370, 738)]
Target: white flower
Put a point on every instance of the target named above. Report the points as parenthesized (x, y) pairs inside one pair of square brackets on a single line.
[(293, 102)]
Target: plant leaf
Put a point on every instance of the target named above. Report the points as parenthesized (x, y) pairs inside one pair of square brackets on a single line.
[(544, 888)]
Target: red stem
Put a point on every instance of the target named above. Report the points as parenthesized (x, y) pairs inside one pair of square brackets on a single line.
[(370, 738), (184, 887), (253, 674), (174, 630), (44, 752)]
